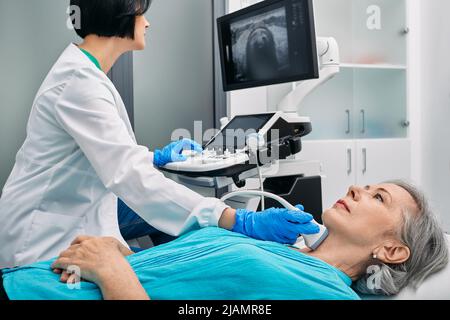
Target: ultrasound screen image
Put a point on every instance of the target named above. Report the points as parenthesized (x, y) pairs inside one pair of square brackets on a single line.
[(260, 47), (268, 43)]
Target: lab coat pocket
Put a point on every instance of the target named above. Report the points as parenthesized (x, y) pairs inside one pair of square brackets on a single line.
[(50, 234)]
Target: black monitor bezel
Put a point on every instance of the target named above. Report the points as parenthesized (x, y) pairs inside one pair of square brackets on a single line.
[(314, 74)]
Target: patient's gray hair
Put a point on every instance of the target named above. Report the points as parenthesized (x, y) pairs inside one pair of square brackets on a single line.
[(428, 245)]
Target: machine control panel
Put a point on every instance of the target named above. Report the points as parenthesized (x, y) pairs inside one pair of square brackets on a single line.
[(208, 160), (230, 151)]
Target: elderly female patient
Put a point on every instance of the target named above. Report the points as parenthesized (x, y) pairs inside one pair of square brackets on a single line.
[(382, 239)]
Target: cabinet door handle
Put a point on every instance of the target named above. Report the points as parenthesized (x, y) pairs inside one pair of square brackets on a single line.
[(363, 119), (349, 161), (348, 121), (364, 152)]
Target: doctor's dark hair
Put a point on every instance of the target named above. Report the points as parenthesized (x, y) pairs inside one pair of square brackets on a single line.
[(422, 234), (109, 18)]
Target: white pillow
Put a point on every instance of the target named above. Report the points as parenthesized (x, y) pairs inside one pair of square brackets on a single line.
[(436, 287)]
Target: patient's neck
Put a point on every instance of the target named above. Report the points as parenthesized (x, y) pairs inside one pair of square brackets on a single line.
[(351, 260)]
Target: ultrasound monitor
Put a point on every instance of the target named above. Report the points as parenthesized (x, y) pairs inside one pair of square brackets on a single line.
[(271, 42)]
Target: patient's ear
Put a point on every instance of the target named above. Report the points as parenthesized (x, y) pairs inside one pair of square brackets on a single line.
[(393, 252)]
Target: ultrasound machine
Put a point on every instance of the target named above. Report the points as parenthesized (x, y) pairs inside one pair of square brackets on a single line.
[(271, 42)]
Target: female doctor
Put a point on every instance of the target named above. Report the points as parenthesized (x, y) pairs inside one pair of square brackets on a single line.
[(80, 155)]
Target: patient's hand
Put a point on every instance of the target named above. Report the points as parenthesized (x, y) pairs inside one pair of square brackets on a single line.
[(66, 277), (102, 261), (91, 255), (112, 241)]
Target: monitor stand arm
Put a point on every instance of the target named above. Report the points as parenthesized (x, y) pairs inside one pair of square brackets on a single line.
[(329, 61)]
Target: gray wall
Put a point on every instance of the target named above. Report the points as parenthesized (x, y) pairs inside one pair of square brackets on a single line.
[(174, 76), (32, 35), (435, 84)]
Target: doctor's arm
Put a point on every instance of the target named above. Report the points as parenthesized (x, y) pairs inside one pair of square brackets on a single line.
[(228, 219), (88, 112)]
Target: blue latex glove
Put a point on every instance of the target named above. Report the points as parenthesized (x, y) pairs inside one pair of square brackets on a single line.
[(172, 152), (278, 225)]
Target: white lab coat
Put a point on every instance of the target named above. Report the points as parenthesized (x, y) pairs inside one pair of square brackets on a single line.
[(80, 154)]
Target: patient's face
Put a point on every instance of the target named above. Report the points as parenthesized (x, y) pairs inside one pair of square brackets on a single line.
[(368, 215)]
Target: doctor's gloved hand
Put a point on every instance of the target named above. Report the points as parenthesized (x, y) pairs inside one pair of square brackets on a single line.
[(278, 225), (173, 152)]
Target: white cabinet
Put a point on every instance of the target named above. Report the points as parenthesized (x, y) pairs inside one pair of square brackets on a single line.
[(361, 102), (357, 162), (381, 160), (369, 98)]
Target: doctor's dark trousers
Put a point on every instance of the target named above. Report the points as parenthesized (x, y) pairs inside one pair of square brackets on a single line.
[(132, 226)]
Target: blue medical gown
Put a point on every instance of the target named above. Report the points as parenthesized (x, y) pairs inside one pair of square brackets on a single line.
[(208, 264)]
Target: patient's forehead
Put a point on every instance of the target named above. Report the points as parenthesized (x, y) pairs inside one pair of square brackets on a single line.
[(400, 196)]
